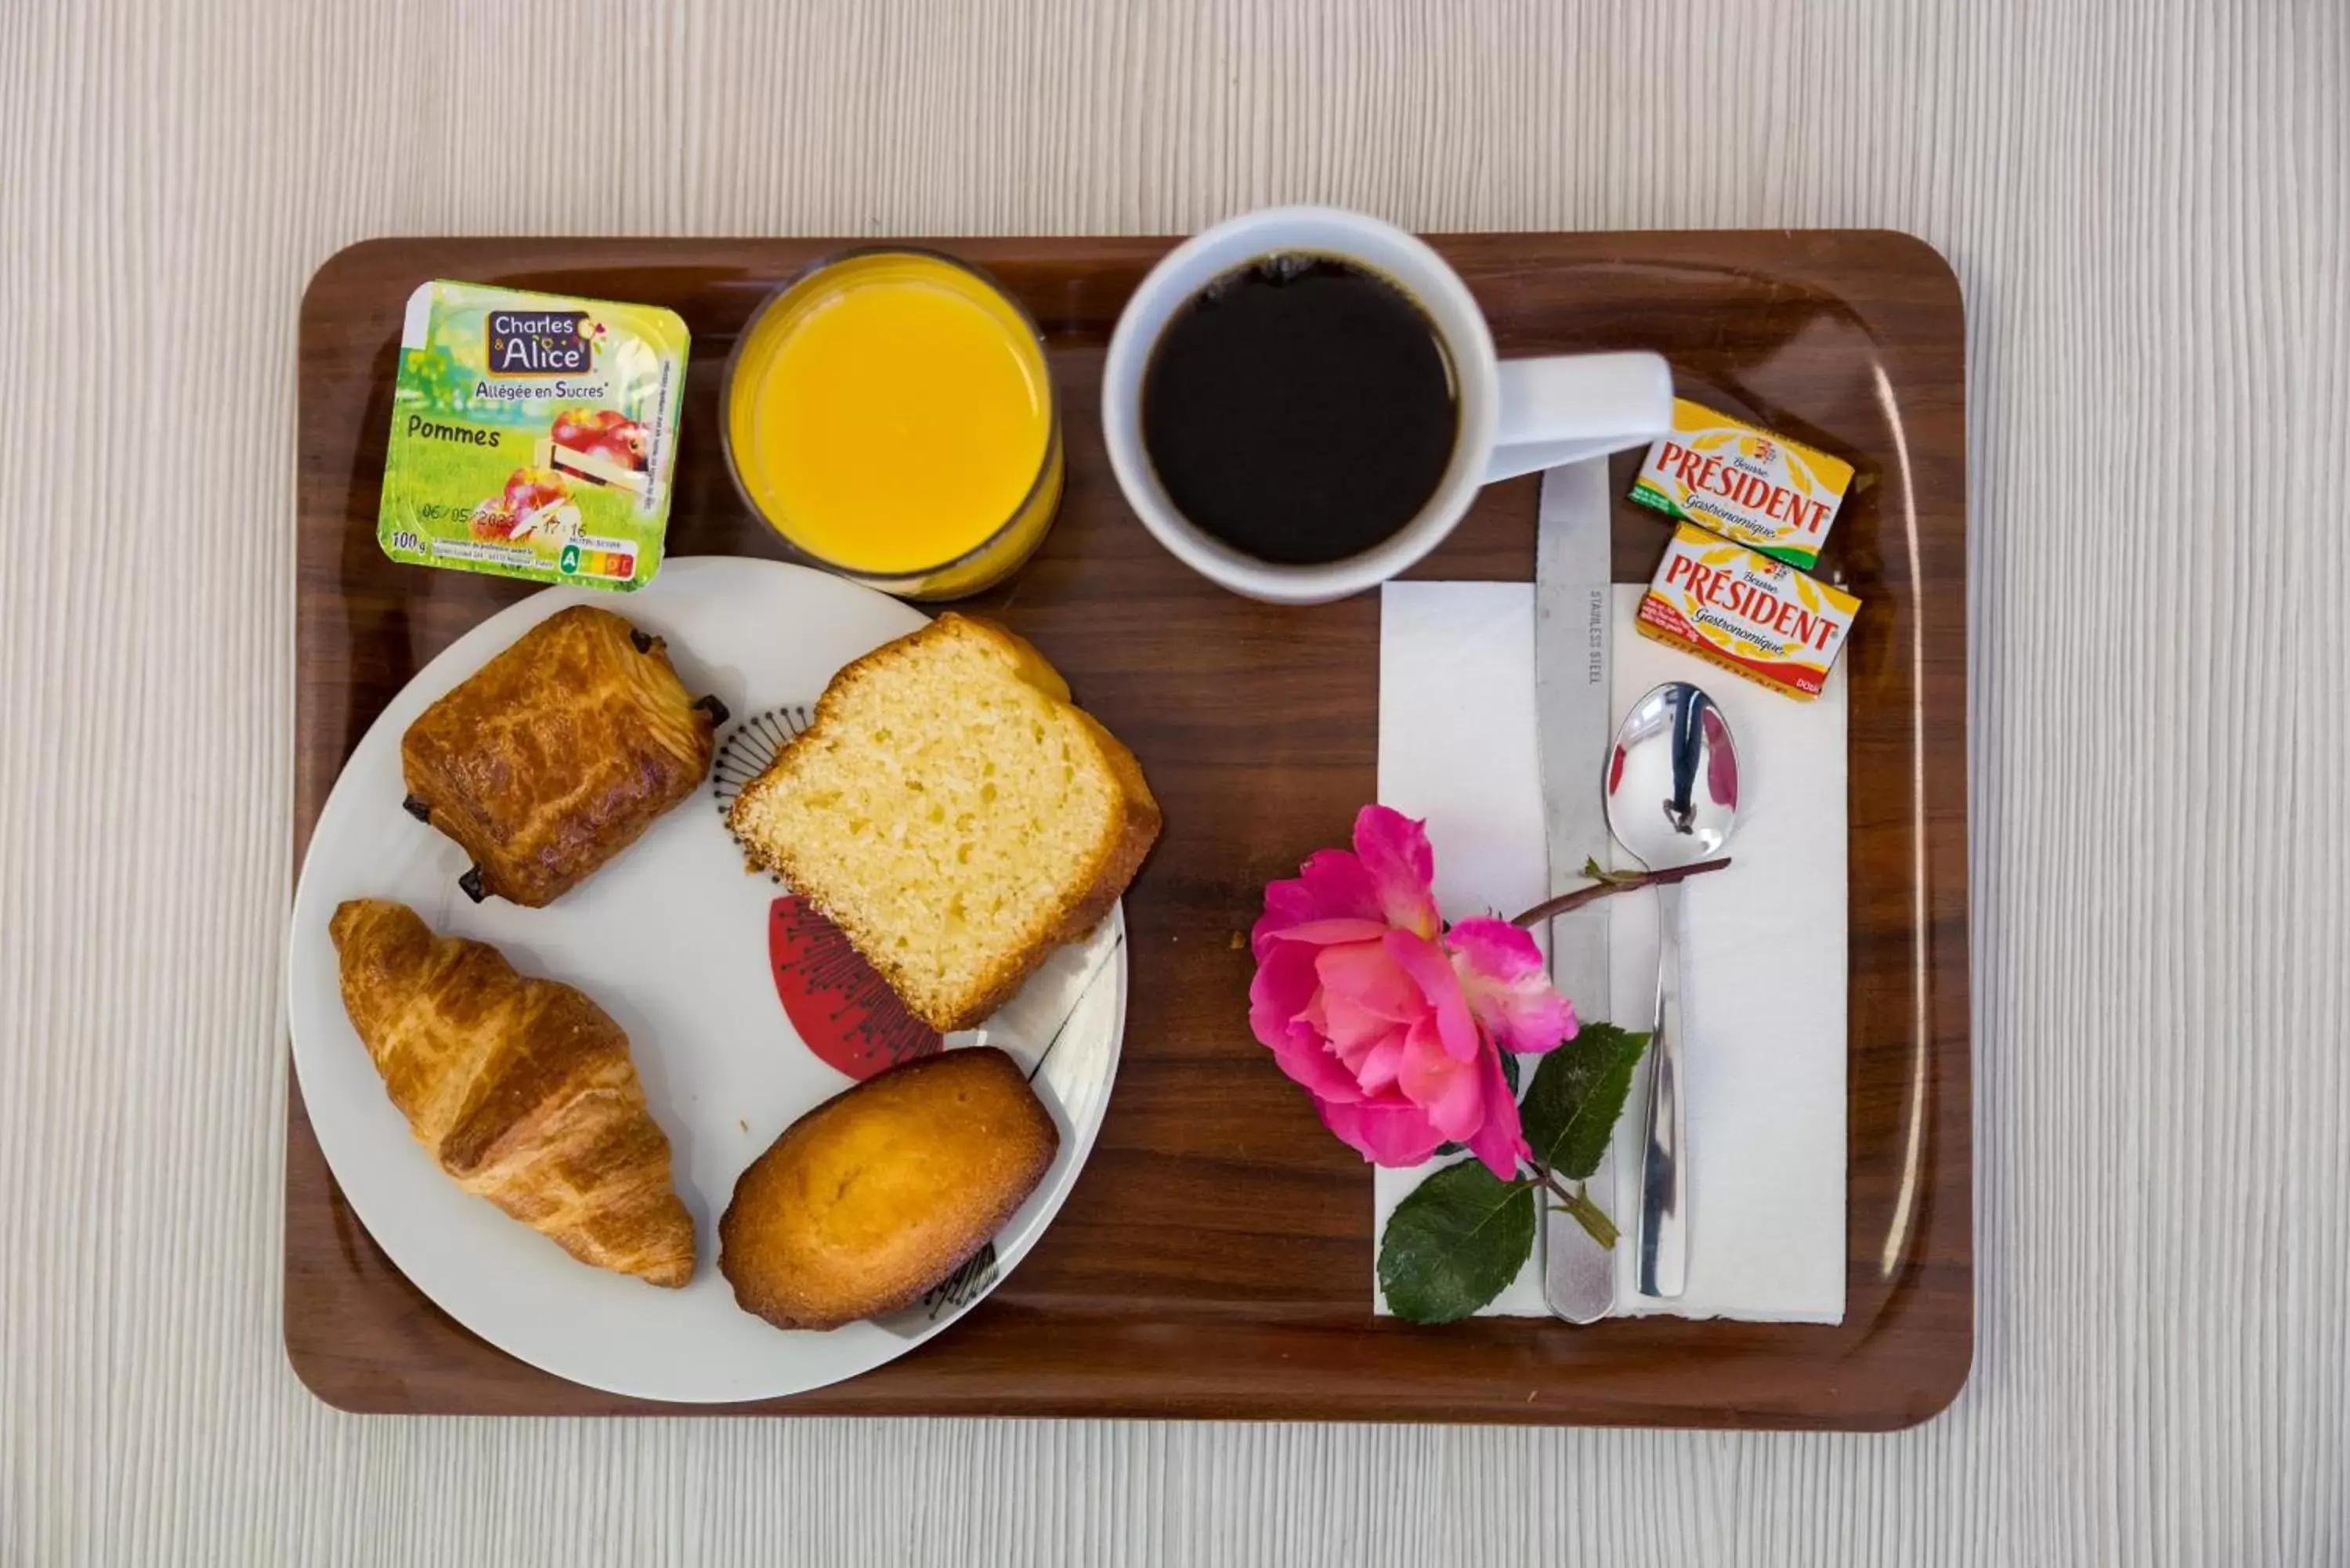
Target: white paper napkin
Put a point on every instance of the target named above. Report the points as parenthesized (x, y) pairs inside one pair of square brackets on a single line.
[(1762, 963)]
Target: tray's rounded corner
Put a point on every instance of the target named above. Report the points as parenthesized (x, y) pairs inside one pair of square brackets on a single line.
[(1925, 259), (1945, 1379), (353, 257), (319, 1380), (328, 1376)]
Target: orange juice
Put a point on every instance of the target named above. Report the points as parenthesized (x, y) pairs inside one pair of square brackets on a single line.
[(890, 415)]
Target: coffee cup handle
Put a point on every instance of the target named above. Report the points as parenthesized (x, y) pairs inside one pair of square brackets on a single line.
[(1568, 407)]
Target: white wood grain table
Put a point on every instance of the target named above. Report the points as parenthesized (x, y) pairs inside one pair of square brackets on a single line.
[(2145, 202)]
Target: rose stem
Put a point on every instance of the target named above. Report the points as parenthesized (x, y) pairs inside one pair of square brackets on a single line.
[(1582, 896), (1587, 1214)]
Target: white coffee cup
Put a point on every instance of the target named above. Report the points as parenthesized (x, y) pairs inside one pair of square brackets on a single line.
[(1515, 415)]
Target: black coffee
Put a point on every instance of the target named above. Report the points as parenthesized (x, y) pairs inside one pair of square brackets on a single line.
[(1300, 409)]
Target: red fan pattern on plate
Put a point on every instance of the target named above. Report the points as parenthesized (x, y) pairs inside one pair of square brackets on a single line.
[(841, 1007)]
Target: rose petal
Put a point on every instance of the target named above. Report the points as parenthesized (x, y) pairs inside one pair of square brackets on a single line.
[(1505, 952), (1368, 978), (1339, 885), (1377, 1069), (1269, 930), (1501, 976), (1314, 1018), (1384, 1132), (1331, 885), (1291, 1030), (1286, 904), (1373, 1060), (1283, 987), (1353, 1030), (1432, 971), (1329, 933), (1395, 853), (1449, 1091), (1501, 1141), (1307, 1063)]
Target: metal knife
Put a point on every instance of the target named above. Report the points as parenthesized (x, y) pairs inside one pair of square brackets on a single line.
[(1573, 604)]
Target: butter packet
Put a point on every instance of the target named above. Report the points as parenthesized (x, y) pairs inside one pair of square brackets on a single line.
[(533, 435), (1768, 622), (1744, 482)]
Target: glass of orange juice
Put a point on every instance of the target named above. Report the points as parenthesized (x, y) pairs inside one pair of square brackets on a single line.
[(890, 413)]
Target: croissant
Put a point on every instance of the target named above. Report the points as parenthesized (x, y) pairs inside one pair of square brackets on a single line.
[(522, 1089)]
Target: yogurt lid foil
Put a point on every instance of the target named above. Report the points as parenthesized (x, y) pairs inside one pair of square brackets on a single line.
[(533, 435)]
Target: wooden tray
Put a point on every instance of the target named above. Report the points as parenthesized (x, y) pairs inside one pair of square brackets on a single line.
[(1214, 1260)]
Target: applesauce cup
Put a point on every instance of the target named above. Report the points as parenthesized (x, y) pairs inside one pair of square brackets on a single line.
[(858, 435)]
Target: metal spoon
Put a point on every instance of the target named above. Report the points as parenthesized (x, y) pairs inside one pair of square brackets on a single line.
[(1672, 799)]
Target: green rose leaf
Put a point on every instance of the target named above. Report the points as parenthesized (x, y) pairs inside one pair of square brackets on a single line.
[(1509, 1071), (1454, 1242), (1577, 1093)]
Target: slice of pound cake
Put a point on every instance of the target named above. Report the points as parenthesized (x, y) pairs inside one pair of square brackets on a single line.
[(954, 814)]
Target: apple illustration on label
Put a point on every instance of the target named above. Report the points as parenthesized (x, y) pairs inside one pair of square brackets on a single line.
[(607, 433)]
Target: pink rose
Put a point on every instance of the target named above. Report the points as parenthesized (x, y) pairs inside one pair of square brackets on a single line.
[(1394, 1023)]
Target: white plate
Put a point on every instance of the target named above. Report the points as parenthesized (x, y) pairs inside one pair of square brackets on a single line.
[(671, 938)]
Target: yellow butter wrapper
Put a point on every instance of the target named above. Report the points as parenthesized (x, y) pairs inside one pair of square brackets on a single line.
[(1766, 620), (1744, 482)]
